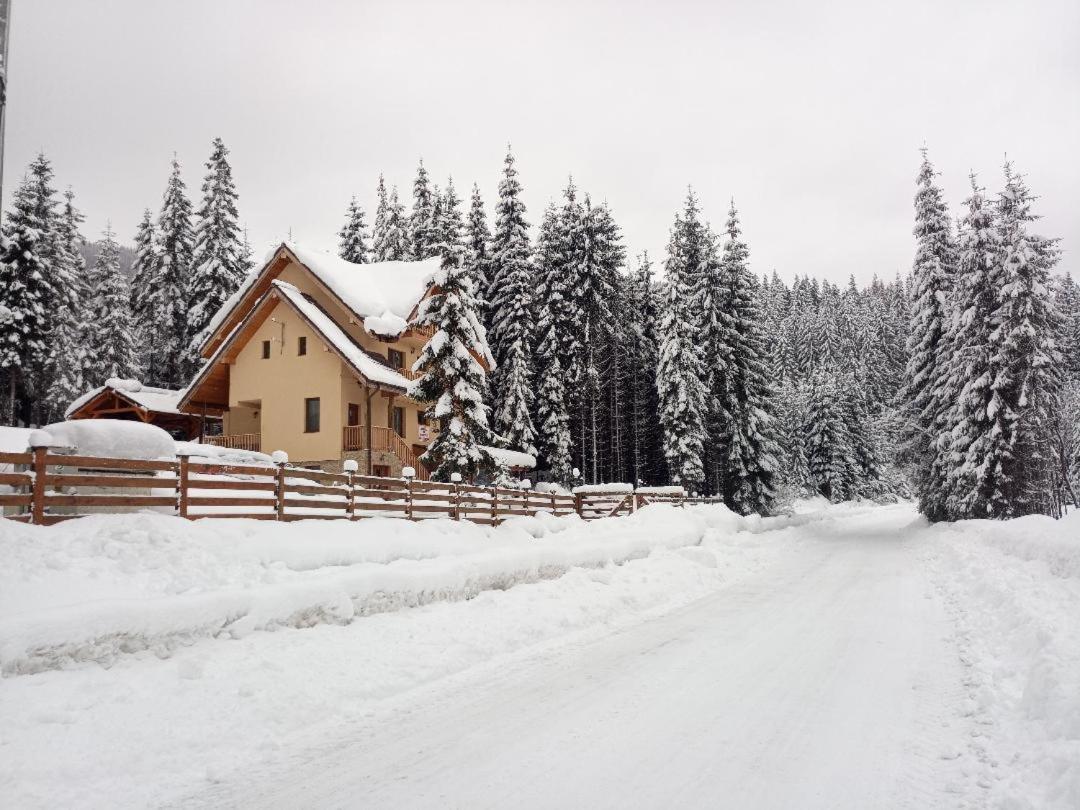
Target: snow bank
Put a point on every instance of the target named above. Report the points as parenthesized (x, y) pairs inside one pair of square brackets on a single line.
[(211, 453), (103, 586), (661, 491), (1013, 589), (112, 438)]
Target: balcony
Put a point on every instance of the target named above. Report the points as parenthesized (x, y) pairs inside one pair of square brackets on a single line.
[(236, 441), (383, 439)]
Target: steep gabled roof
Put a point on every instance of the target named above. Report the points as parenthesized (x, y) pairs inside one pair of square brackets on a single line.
[(381, 296), (213, 375)]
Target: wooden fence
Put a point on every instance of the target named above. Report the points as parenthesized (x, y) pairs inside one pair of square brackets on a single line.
[(48, 488)]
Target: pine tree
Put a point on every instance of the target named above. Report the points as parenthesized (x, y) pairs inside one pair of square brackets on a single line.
[(109, 327), (452, 379), (478, 253), (70, 349), (642, 316), (395, 247), (829, 454), (217, 258), (422, 236), (680, 373), (933, 279), (747, 399), (552, 419), (512, 321), (353, 246), (173, 275), (24, 299), (447, 224)]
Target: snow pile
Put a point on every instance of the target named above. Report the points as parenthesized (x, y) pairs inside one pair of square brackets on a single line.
[(678, 491), (102, 586), (106, 438), (1013, 589), (213, 454), (387, 324)]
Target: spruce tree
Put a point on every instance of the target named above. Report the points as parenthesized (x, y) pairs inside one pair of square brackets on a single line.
[(829, 454), (478, 253), (552, 419), (395, 247), (380, 244), (680, 372), (749, 412), (217, 258), (422, 235), (353, 246), (146, 300), (173, 275), (1026, 365), (642, 405), (452, 379), (25, 294), (447, 224), (70, 349), (512, 321), (110, 330), (932, 273)]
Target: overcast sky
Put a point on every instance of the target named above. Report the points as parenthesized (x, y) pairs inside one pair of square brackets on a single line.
[(809, 114)]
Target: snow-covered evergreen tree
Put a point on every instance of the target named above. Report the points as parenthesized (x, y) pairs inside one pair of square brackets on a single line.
[(380, 244), (642, 404), (452, 379), (447, 224), (395, 245), (217, 258), (680, 373), (552, 419), (353, 246), (747, 399), (1026, 366), (109, 325), (25, 294), (512, 315), (147, 299), (829, 454), (932, 273), (173, 275), (422, 235), (478, 253), (70, 349)]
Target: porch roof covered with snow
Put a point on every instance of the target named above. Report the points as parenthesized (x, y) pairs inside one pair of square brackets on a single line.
[(131, 400), (383, 296)]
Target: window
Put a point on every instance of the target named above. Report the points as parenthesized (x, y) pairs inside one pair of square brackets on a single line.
[(301, 346), (311, 415), (395, 358), (354, 414), (266, 350), (397, 421)]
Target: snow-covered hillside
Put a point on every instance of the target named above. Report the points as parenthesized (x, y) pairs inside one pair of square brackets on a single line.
[(845, 656)]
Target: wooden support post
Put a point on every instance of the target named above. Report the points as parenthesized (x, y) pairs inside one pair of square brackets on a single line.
[(182, 487), (578, 504), (554, 511), (280, 491), (37, 502), (456, 489), (494, 505), (408, 499)]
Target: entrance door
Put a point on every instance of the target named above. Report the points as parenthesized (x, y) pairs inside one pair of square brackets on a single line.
[(381, 470)]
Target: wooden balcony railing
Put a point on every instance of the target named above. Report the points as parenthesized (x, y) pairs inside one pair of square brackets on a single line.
[(383, 439), (236, 441)]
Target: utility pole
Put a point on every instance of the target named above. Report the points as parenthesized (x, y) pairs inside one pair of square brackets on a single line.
[(5, 30)]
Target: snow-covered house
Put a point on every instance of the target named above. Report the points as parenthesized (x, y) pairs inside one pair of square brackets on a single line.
[(131, 400), (312, 355)]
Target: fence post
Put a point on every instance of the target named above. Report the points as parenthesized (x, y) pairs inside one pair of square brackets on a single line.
[(554, 511), (280, 458), (37, 498), (182, 486), (408, 499), (578, 504)]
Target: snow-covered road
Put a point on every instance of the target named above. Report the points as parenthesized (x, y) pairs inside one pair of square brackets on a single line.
[(827, 680)]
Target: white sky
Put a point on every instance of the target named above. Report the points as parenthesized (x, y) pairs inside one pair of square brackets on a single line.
[(810, 114)]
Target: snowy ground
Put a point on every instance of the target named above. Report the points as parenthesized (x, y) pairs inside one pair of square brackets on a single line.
[(844, 657)]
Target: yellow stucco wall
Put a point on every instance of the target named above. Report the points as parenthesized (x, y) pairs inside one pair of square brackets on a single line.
[(267, 396)]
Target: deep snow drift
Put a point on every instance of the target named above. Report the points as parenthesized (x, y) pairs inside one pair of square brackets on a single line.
[(147, 659)]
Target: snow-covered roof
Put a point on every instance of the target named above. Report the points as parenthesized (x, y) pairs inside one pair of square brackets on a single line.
[(161, 400), (344, 345), (381, 294)]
